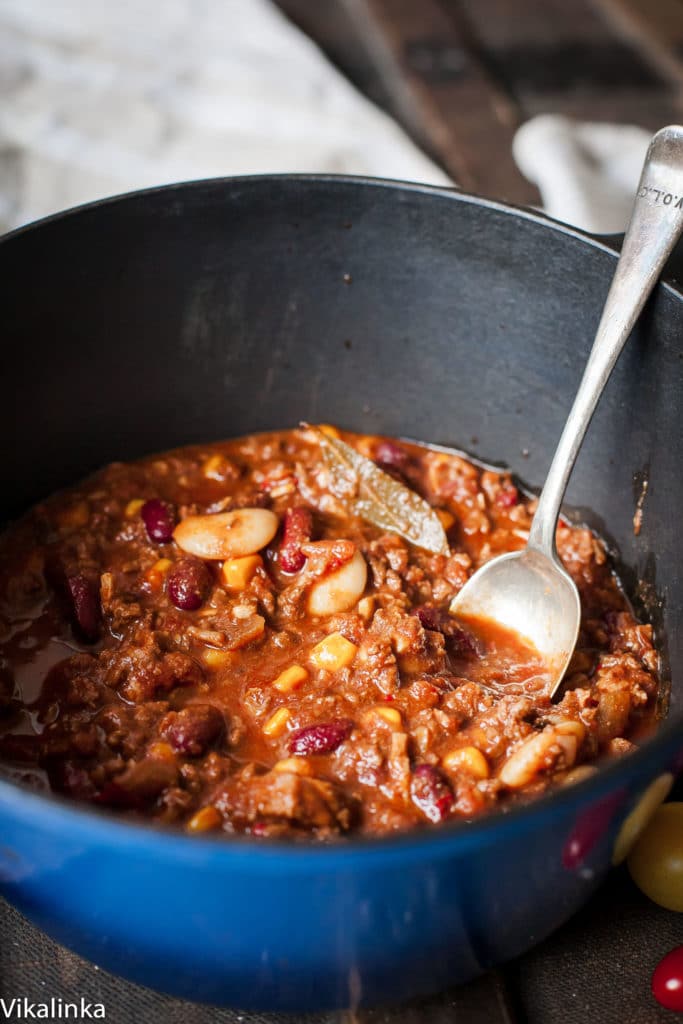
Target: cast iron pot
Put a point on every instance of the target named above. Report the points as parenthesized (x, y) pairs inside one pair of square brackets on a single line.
[(201, 311)]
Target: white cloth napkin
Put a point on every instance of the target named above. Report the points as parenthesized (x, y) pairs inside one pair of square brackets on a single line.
[(587, 173), (99, 97)]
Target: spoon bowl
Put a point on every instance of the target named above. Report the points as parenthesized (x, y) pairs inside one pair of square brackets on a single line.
[(533, 595), (529, 591)]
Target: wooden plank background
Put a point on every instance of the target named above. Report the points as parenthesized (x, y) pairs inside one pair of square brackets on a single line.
[(461, 75)]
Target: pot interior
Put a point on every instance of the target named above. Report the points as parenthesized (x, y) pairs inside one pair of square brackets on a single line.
[(202, 311)]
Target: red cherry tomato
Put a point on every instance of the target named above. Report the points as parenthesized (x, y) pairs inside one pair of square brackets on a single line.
[(667, 980)]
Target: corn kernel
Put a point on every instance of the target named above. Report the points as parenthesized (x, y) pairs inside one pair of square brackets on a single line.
[(277, 723), (291, 678), (213, 468), (391, 716), (333, 653), (447, 518), (467, 759), (133, 507), (237, 572), (155, 574), (205, 820), (106, 587), (329, 430), (297, 765), (216, 659), (366, 607), (161, 751)]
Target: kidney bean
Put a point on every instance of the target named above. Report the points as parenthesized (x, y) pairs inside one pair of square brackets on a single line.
[(459, 643), (160, 519), (394, 462), (297, 530), (85, 606), (188, 584), (192, 730), (431, 792), (507, 497), (429, 616), (73, 780), (389, 454), (319, 739)]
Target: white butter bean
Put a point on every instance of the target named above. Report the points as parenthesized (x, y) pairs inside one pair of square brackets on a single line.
[(244, 531), (555, 747), (341, 589)]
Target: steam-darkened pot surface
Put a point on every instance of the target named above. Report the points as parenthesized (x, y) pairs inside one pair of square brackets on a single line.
[(219, 308)]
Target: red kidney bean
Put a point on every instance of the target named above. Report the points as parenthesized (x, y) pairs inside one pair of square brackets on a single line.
[(507, 496), (667, 981), (429, 616), (319, 739), (297, 530), (613, 625), (431, 792), (188, 583), (72, 779), (394, 461), (389, 454), (192, 730), (85, 606), (459, 643), (160, 519)]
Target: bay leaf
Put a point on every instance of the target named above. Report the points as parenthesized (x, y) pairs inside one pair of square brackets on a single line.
[(378, 498)]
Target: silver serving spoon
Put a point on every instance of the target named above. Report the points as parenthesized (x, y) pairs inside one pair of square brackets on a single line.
[(529, 591)]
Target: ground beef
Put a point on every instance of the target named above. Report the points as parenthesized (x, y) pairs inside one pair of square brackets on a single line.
[(144, 670)]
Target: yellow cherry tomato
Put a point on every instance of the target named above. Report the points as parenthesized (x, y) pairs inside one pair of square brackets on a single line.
[(656, 860)]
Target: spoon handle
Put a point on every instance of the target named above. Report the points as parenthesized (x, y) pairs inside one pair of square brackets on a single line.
[(655, 226)]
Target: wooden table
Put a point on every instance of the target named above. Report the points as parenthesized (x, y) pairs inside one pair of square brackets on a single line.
[(461, 75)]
